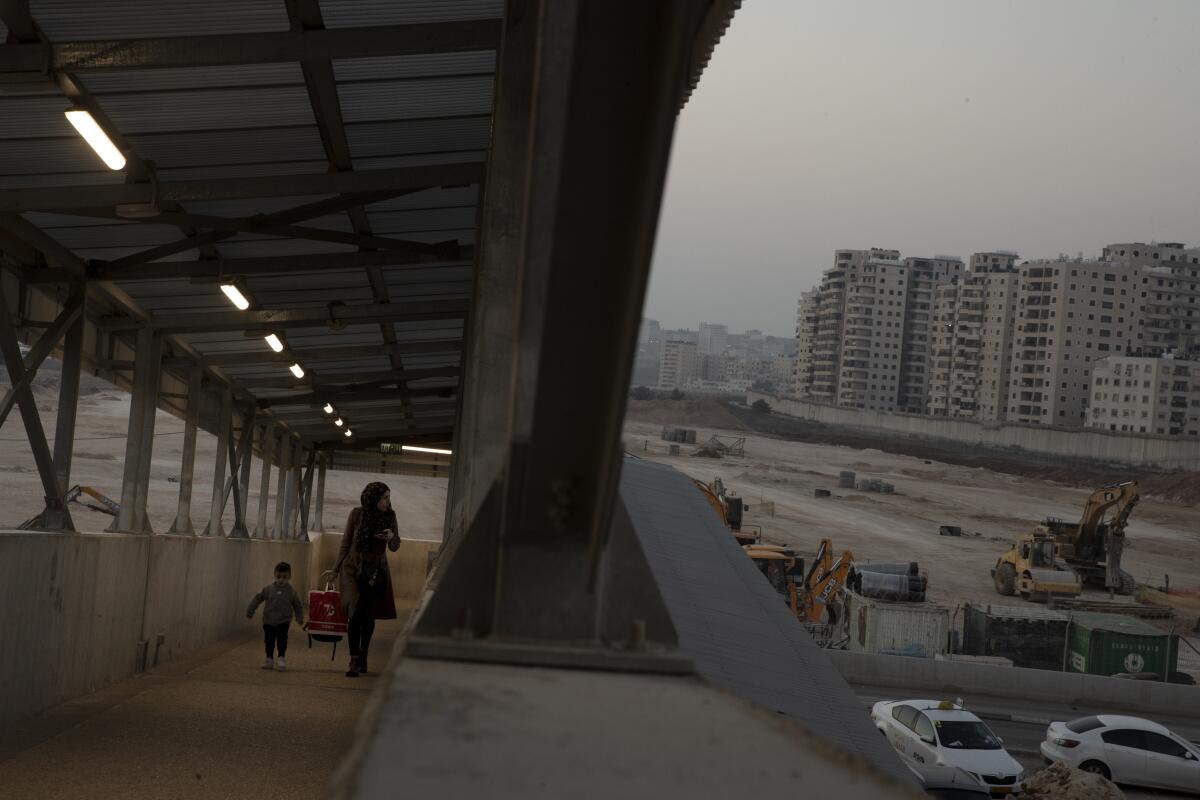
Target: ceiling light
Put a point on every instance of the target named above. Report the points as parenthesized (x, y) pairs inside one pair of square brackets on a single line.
[(415, 449), (82, 121), (235, 296), (338, 422), (348, 432), (275, 342), (297, 370), (329, 408)]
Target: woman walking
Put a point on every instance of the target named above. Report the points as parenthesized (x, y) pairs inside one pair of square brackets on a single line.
[(362, 568)]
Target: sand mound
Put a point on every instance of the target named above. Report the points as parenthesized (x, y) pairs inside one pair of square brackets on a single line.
[(1060, 782)]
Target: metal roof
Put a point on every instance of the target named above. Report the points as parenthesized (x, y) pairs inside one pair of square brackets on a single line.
[(225, 115), (732, 624)]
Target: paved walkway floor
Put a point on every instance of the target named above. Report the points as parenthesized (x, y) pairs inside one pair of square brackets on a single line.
[(210, 725)]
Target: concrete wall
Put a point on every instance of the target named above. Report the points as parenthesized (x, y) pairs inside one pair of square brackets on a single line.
[(73, 607), (1161, 452), (1145, 698)]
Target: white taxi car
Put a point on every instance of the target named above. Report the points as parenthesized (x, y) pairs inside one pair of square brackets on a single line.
[(942, 733), (1125, 750)]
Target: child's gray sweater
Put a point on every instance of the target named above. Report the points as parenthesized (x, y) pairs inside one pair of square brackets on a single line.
[(281, 603)]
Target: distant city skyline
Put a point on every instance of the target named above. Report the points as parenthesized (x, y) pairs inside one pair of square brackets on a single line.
[(931, 127)]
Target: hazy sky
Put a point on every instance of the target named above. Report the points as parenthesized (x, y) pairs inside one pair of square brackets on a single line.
[(929, 126)]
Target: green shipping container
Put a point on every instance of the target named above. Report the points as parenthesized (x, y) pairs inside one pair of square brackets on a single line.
[(1108, 644)]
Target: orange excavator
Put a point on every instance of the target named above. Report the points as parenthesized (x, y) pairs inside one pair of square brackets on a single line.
[(824, 584)]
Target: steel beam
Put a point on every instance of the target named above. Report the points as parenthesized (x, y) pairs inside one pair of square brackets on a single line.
[(349, 397), (449, 254), (239, 473), (284, 318), (306, 488), (68, 404), (374, 411), (139, 444), (70, 314), (284, 462), (187, 468), (216, 526), (11, 350), (105, 195), (260, 356), (229, 49), (266, 450), (323, 465), (56, 253), (341, 379), (291, 489)]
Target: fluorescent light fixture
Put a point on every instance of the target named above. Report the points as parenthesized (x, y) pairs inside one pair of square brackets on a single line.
[(297, 370), (274, 342), (415, 449), (235, 296), (339, 422), (348, 432), (82, 121), (329, 408)]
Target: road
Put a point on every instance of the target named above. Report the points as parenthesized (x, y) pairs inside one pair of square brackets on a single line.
[(1022, 725)]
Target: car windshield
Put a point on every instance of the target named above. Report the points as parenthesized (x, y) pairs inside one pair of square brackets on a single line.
[(1084, 724), (966, 736)]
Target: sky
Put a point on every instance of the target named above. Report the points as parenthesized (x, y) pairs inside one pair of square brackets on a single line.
[(927, 126)]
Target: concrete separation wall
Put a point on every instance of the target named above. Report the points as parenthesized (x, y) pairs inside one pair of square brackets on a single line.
[(1144, 698), (1105, 447), (73, 607)]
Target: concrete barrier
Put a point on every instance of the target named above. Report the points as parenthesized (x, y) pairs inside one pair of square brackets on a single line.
[(1068, 446), (74, 607), (1073, 688)]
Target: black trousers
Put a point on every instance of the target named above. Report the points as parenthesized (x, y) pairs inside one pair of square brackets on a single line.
[(275, 636), (362, 625)]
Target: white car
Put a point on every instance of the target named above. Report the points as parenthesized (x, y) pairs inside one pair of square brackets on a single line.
[(929, 732), (1125, 750)]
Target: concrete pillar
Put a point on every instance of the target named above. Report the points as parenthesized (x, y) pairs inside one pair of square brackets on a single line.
[(247, 460), (68, 402), (139, 442), (224, 423), (266, 450), (292, 488), (187, 467), (322, 462), (239, 474), (283, 462)]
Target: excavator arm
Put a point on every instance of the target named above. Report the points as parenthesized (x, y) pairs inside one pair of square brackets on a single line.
[(1120, 498), (825, 579)]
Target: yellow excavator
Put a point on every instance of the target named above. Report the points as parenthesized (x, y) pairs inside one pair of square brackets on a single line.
[(824, 583), (729, 507), (1058, 557)]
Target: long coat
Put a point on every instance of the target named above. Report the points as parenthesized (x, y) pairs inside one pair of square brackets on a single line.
[(384, 606)]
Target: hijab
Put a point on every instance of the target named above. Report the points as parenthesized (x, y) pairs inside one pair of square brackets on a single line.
[(373, 520)]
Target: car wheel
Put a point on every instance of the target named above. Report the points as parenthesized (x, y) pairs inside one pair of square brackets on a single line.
[(1096, 768), (1005, 578)]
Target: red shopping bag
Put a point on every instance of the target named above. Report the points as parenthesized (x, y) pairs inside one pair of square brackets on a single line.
[(326, 622)]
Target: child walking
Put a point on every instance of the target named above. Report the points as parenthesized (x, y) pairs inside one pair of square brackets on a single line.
[(282, 603)]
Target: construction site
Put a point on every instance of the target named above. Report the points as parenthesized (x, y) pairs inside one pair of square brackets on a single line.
[(956, 531)]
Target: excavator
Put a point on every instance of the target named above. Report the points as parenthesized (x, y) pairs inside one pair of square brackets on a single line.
[(728, 507), (824, 583), (1058, 557)]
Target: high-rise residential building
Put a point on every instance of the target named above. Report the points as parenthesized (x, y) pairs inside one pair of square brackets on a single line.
[(806, 337), (998, 277), (713, 339), (1168, 293), (1070, 314), (650, 333), (924, 276), (678, 364), (957, 349), (1146, 394), (869, 367)]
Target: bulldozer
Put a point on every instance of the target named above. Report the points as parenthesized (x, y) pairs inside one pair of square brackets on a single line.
[(1058, 557)]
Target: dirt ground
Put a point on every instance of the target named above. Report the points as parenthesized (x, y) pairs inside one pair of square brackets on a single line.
[(992, 508), (103, 418)]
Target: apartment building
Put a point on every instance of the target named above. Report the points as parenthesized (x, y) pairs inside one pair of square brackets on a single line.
[(1168, 293), (1146, 394), (806, 337), (713, 339), (678, 364), (956, 349), (924, 276), (868, 366), (1069, 314), (999, 280)]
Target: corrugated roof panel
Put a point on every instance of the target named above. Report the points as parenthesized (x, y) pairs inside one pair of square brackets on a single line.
[(71, 20), (244, 171), (104, 82), (97, 236), (364, 13), (306, 297), (207, 110), (40, 156), (433, 159), (371, 139), (430, 198), (368, 102), (367, 334), (25, 117), (414, 66), (398, 222), (279, 247), (248, 207), (45, 220), (308, 281), (60, 179), (407, 276), (210, 148)]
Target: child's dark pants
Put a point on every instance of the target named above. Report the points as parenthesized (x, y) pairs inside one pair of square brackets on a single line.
[(275, 636)]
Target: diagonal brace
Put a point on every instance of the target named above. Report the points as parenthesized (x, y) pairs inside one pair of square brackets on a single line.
[(39, 352)]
